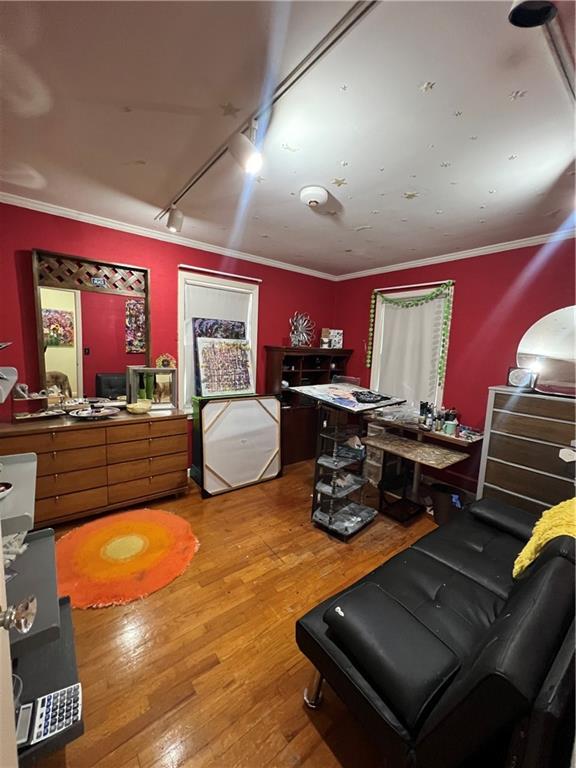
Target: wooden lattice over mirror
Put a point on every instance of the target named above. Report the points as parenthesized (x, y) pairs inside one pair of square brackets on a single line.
[(56, 271)]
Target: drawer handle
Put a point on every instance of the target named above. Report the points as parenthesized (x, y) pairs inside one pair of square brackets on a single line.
[(56, 498), (53, 454), (56, 477)]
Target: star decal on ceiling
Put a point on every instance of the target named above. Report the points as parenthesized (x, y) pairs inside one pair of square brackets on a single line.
[(229, 110), (458, 113), (473, 138), (410, 195), (445, 164), (515, 95), (338, 182), (439, 212), (374, 213), (344, 88), (264, 235), (512, 157), (404, 220), (491, 191), (412, 175), (344, 163), (289, 148), (259, 179), (482, 206), (427, 86), (482, 221)]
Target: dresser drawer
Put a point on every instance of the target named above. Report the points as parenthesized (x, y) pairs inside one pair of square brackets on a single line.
[(544, 488), (69, 482), (29, 443), (128, 470), (531, 454), (138, 449), (68, 461), (174, 461), (529, 426), (147, 486), (168, 427), (127, 432), (551, 408), (57, 507), (56, 440), (164, 445)]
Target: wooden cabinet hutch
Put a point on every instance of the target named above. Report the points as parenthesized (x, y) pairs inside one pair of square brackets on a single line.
[(301, 366)]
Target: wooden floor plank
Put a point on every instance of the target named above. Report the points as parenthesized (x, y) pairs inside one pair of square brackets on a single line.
[(206, 672)]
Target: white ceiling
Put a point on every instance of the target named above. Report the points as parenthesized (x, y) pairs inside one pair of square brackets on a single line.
[(109, 108)]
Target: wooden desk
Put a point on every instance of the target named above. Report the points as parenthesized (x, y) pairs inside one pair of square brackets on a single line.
[(418, 452), (422, 433)]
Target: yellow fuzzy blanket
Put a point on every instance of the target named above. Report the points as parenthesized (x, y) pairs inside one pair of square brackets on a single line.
[(556, 521)]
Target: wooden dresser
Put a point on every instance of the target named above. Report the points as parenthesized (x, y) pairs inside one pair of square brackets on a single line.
[(85, 468), (523, 435)]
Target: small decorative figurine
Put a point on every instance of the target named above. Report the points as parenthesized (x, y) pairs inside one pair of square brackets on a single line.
[(301, 330)]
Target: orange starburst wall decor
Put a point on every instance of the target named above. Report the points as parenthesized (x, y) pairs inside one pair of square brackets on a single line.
[(120, 558)]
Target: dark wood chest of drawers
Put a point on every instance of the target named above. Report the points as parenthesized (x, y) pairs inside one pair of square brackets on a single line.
[(88, 468), (523, 437)]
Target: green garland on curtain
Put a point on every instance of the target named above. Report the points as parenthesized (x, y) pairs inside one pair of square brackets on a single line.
[(442, 291)]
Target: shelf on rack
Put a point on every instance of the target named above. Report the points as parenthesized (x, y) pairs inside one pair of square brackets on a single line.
[(36, 575), (49, 668), (346, 521), (339, 492), (335, 462), (339, 434)]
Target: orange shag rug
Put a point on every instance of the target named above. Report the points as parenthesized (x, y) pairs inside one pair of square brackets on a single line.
[(123, 557)]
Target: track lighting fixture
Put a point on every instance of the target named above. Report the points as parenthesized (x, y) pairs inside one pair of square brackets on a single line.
[(175, 219), (244, 151), (531, 13)]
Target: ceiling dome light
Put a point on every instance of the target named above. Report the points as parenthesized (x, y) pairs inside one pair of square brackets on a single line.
[(245, 153), (531, 13), (175, 219)]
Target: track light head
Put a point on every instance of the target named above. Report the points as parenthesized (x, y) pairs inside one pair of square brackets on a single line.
[(245, 153), (175, 219), (531, 13)]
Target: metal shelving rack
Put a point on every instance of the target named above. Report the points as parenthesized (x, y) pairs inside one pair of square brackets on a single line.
[(337, 508)]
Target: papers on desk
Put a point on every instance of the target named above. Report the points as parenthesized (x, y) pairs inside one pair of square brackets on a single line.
[(340, 396)]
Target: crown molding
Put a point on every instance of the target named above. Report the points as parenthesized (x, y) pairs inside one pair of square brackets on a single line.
[(168, 237), (485, 250), (133, 229)]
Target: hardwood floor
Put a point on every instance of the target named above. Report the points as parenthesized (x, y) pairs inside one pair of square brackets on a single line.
[(206, 673)]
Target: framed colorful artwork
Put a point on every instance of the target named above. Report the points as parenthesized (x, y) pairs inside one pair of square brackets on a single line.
[(135, 326), (58, 328), (225, 367)]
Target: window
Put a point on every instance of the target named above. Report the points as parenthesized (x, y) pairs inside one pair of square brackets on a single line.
[(204, 296), (410, 346)]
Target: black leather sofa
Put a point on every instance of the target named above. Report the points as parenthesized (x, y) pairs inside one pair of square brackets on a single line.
[(445, 658)]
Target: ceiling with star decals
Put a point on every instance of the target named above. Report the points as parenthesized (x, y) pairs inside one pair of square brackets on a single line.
[(435, 127)]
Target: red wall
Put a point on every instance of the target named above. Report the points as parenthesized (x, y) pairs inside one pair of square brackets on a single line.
[(282, 292), (103, 323), (497, 297)]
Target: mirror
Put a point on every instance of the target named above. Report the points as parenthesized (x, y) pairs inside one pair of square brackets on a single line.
[(548, 348), (93, 321)]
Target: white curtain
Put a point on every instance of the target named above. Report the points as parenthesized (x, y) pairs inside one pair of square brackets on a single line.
[(407, 347)]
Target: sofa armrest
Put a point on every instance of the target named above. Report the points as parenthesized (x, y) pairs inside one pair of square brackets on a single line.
[(404, 661), (516, 522)]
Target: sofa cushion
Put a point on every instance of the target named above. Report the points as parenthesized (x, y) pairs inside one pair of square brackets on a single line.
[(516, 522), (457, 609), (405, 661), (503, 679), (481, 552)]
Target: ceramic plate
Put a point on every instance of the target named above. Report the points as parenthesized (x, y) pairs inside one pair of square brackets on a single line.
[(94, 413)]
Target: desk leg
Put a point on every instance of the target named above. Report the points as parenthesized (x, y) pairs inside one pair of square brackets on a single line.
[(416, 482)]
